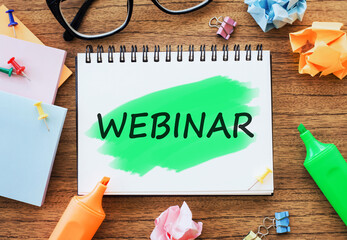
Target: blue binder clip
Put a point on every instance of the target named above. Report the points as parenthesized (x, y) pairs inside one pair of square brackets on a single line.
[(282, 222)]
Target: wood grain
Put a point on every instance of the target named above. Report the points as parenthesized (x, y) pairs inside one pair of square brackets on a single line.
[(320, 103)]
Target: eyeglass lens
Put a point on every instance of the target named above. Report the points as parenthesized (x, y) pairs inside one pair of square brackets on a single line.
[(101, 16), (179, 5)]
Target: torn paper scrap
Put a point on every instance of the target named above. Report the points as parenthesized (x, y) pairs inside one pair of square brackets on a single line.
[(176, 224), (271, 14), (322, 48)]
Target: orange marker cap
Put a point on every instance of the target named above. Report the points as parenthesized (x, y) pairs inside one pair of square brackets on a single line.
[(93, 200)]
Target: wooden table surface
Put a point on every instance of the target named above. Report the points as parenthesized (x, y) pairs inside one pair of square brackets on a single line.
[(320, 103)]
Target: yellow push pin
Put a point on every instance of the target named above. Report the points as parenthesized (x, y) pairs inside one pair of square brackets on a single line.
[(261, 178), (42, 114)]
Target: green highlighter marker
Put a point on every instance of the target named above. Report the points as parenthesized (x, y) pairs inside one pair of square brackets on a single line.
[(328, 169)]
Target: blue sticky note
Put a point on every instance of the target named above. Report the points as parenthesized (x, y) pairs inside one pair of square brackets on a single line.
[(271, 14), (27, 148), (282, 222)]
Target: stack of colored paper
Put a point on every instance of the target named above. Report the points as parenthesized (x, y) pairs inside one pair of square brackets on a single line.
[(29, 133)]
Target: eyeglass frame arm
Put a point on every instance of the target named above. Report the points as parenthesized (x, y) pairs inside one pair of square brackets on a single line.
[(77, 20)]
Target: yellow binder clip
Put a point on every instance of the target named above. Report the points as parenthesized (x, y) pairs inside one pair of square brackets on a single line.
[(252, 236)]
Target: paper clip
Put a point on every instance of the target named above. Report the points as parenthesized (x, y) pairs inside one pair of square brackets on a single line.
[(225, 26), (280, 222)]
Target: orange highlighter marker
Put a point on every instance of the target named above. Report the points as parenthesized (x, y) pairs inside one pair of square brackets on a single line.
[(83, 216)]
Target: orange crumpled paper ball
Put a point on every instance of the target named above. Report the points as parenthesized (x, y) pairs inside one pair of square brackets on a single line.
[(322, 48)]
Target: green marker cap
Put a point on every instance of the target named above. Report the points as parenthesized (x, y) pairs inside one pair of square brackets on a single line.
[(313, 146), (302, 128)]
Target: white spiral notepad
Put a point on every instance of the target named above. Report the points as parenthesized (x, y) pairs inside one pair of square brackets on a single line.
[(173, 121)]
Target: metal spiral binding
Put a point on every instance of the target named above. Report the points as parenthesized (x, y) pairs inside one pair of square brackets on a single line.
[(122, 51), (191, 53), (111, 51), (260, 52), (89, 50), (156, 53), (145, 53), (237, 52), (225, 52), (214, 52), (99, 51), (179, 54), (168, 53), (248, 52), (133, 53), (202, 53)]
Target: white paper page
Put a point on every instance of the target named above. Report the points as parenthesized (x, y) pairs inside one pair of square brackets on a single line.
[(104, 86)]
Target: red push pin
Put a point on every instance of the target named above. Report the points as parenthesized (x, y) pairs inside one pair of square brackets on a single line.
[(19, 69)]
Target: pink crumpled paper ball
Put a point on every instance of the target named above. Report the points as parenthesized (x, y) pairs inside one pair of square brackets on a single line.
[(176, 224)]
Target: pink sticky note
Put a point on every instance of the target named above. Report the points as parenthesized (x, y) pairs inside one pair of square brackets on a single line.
[(43, 66)]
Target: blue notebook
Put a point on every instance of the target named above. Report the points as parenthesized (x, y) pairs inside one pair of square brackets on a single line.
[(27, 148)]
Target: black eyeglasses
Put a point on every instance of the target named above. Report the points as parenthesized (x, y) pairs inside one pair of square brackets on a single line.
[(93, 19)]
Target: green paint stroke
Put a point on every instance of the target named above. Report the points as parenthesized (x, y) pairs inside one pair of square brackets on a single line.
[(212, 95)]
